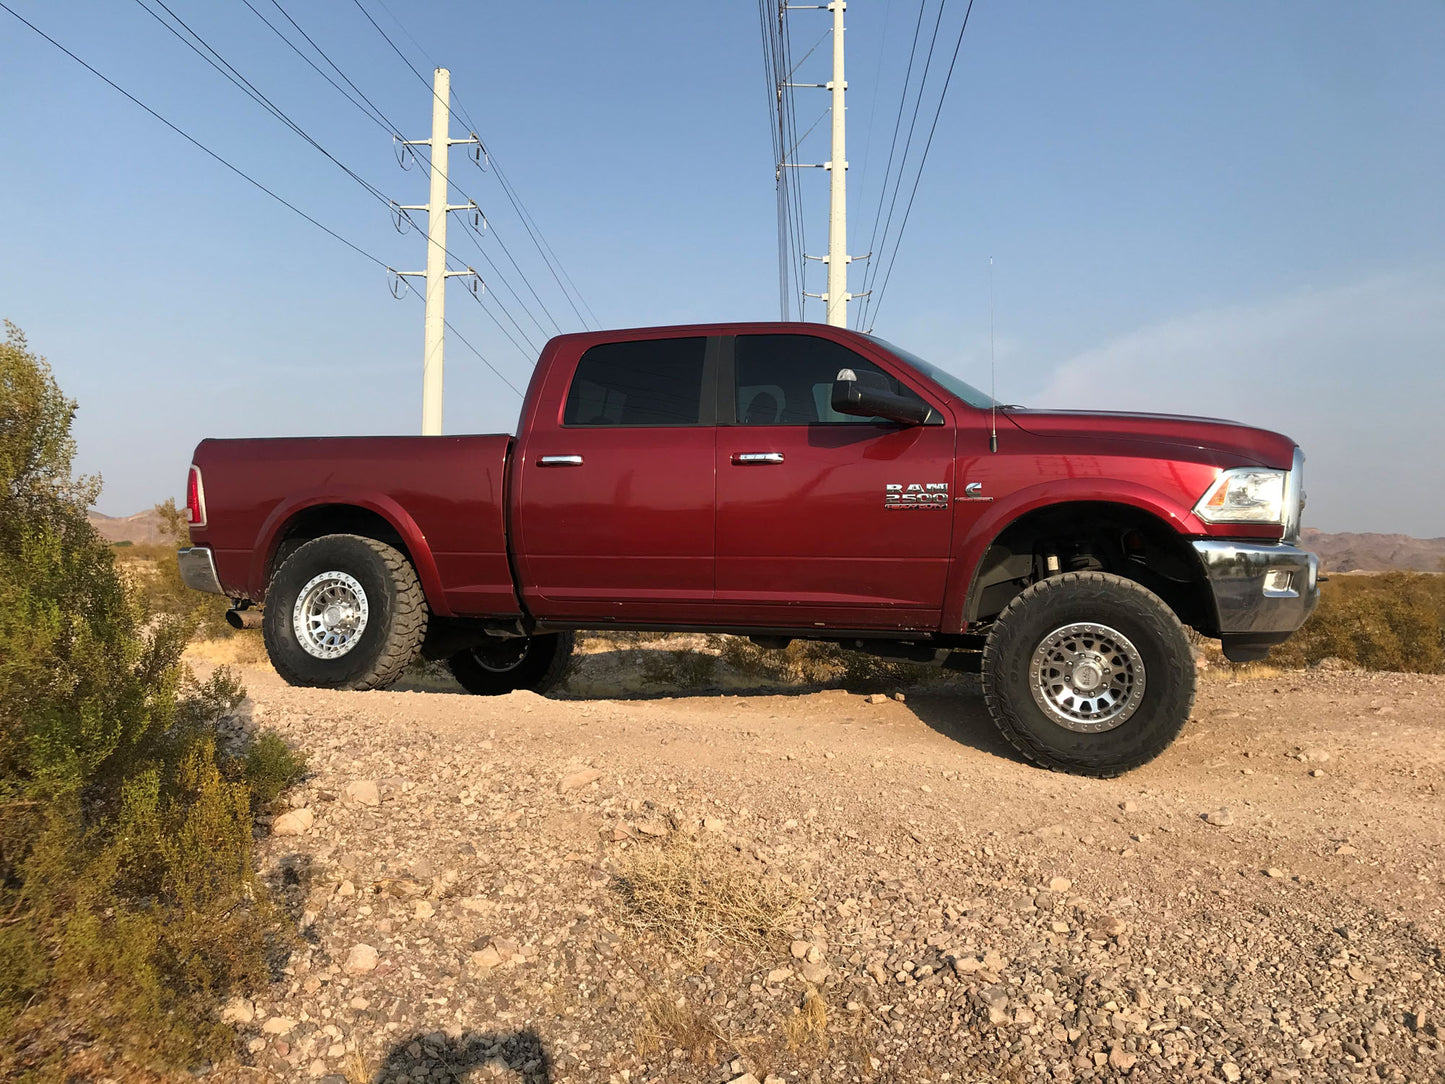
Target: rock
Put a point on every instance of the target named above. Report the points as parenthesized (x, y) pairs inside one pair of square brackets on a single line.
[(361, 959), (713, 824), (363, 792), (346, 888), (799, 949), (294, 822), (1275, 873), (655, 828), (577, 780), (1108, 925), (777, 976), (1231, 1072), (278, 1025), (816, 973), (1060, 884), (1314, 755), (1121, 1059), (1317, 773), (423, 909), (1220, 818), (1129, 807), (877, 698), (899, 697), (239, 1011), (485, 959), (746, 1078)]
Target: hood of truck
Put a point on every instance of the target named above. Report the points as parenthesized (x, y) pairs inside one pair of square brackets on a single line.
[(1258, 447)]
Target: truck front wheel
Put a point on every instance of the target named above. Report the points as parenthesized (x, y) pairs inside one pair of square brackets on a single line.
[(344, 612), (1088, 673), (524, 662)]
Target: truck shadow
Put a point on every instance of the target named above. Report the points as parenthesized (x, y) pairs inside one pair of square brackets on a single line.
[(511, 1055)]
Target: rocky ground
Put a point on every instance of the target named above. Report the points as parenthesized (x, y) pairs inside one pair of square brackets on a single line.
[(821, 886)]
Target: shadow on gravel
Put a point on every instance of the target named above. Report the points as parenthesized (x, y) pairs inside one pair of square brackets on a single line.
[(963, 717), (517, 1055)]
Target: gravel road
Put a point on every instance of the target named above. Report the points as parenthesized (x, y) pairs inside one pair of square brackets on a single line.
[(1263, 903)]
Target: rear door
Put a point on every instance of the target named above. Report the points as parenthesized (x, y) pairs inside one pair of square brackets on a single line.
[(826, 519), (616, 503)]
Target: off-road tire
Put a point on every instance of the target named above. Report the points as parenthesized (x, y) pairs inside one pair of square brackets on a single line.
[(396, 621), (1108, 600), (541, 667)]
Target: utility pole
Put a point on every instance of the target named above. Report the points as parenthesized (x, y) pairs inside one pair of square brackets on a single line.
[(437, 208), (837, 298)]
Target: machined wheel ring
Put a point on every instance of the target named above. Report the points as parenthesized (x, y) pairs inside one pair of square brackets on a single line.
[(330, 615), (1087, 677)]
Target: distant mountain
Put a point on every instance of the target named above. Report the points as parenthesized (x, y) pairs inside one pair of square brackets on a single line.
[(1350, 552), (142, 527)]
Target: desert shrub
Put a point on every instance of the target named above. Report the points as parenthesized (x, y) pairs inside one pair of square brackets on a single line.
[(814, 662), (681, 668), (1393, 621), (128, 901), (155, 580)]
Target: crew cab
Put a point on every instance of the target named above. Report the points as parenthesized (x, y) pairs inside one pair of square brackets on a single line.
[(775, 481)]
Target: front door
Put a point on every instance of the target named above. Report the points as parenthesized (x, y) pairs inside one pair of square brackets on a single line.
[(615, 507), (824, 519)]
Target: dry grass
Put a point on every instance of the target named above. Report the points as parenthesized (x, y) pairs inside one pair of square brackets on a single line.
[(807, 1028), (673, 1024), (692, 893), (243, 649), (355, 1069)]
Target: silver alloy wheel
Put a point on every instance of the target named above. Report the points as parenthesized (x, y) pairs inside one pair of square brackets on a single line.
[(503, 657), (1088, 678), (330, 615)]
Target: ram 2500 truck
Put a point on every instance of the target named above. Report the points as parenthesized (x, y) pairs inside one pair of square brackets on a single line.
[(774, 481)]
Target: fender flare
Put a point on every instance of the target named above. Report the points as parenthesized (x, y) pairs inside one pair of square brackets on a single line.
[(1004, 513), (268, 538)]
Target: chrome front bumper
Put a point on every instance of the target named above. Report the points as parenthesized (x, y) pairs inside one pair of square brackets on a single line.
[(1261, 592), (198, 570)]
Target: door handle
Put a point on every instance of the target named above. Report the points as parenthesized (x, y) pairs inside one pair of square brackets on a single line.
[(746, 459), (560, 461)]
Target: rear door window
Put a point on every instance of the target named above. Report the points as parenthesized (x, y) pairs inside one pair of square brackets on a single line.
[(649, 382), (788, 380)]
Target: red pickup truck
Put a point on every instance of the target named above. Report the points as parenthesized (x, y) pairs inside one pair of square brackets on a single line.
[(774, 481)]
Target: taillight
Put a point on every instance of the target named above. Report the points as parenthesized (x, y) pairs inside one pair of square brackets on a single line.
[(195, 499)]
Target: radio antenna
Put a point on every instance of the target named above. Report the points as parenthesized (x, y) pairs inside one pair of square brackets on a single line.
[(992, 369)]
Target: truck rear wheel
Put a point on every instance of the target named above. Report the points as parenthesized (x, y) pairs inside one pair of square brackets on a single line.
[(1088, 672), (344, 612), (537, 663)]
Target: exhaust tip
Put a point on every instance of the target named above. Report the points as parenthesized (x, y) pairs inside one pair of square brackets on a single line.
[(243, 619)]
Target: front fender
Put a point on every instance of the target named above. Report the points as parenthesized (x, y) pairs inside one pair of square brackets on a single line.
[(985, 529), (269, 537)]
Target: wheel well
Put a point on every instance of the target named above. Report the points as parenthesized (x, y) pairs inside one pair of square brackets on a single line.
[(1097, 535), (327, 519)]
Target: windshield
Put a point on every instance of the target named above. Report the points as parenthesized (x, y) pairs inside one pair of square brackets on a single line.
[(967, 392)]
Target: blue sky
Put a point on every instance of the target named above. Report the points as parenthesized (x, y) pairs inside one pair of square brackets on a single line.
[(1229, 209)]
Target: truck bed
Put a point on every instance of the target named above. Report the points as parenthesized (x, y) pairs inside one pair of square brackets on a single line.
[(443, 495)]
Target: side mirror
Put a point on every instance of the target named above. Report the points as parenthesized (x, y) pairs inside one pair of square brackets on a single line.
[(869, 397)]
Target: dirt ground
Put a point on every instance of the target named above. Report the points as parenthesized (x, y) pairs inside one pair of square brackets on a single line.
[(471, 877)]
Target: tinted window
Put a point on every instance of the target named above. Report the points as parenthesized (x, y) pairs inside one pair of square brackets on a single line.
[(651, 382), (788, 379)]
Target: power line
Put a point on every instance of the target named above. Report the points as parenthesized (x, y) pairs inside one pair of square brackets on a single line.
[(882, 242), (549, 257), (506, 186), (924, 160), (237, 170)]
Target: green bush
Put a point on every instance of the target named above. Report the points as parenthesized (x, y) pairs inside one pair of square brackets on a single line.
[(1393, 621), (128, 899)]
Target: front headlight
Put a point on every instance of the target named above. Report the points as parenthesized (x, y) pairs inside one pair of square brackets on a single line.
[(1244, 495)]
